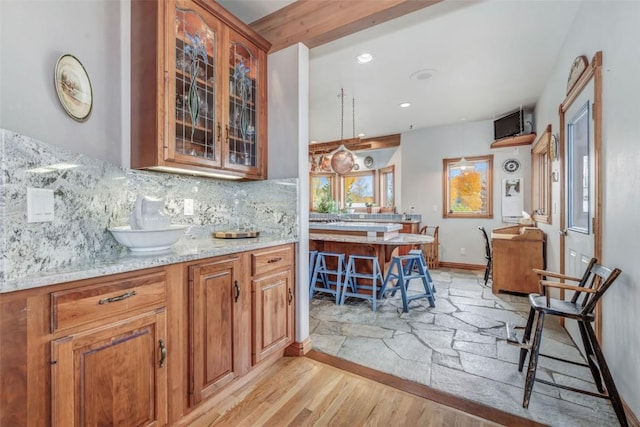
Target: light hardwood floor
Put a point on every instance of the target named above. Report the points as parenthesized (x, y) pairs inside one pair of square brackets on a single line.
[(301, 391)]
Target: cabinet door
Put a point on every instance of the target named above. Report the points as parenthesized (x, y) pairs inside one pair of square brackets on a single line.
[(194, 87), (273, 314), (217, 303), (245, 131), (114, 375)]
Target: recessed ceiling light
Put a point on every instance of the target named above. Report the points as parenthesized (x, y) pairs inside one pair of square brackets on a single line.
[(361, 135), (423, 74), (364, 58), (405, 105)]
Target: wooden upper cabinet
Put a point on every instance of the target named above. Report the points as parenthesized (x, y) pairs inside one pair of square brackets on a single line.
[(198, 90)]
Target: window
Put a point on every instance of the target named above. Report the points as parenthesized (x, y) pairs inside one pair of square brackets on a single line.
[(541, 177), (358, 188), (322, 188), (467, 187), (387, 186)]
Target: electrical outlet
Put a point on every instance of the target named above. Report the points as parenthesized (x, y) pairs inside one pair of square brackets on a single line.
[(463, 251), (435, 208), (40, 205), (188, 206)]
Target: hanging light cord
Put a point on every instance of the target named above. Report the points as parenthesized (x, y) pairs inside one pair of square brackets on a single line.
[(341, 115)]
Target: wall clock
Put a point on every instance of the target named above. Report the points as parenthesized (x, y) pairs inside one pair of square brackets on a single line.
[(511, 166), (368, 161)]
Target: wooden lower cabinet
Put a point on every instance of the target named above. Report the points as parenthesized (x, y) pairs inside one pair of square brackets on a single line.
[(147, 347), (113, 375), (273, 307), (273, 314), (218, 326), (411, 228)]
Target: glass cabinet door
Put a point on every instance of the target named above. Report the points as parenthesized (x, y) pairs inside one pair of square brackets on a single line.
[(242, 128), (197, 125)]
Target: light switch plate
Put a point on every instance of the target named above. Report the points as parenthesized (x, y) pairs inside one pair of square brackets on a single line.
[(40, 205)]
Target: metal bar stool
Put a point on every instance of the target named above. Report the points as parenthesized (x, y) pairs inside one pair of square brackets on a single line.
[(401, 270), (330, 279), (423, 261), (351, 279)]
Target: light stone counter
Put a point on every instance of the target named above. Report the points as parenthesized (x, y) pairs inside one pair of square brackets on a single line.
[(399, 240), (187, 249), (375, 227)]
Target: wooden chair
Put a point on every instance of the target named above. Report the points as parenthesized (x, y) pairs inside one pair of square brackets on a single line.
[(487, 255), (588, 291), (431, 250)]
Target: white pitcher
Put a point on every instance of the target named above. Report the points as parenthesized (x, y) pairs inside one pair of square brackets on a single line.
[(149, 214)]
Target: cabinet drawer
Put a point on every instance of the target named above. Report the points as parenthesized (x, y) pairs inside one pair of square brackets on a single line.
[(85, 304), (271, 259)]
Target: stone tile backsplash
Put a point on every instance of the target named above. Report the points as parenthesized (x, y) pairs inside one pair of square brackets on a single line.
[(94, 195)]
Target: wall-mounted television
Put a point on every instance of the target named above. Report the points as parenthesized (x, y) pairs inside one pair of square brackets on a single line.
[(512, 124)]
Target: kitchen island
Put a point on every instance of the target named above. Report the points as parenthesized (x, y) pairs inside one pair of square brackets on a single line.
[(382, 248)]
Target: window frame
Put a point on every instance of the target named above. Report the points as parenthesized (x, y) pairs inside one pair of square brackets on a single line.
[(447, 166), (541, 177), (382, 174), (342, 189), (332, 186)]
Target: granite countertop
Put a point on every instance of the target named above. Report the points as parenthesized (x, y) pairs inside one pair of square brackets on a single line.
[(399, 240), (187, 249), (385, 227)]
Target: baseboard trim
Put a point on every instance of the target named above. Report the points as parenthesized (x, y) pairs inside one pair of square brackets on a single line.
[(441, 397), (461, 266), (298, 349)]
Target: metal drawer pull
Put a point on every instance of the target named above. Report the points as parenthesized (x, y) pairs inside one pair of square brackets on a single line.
[(272, 260), (118, 298), (163, 352)]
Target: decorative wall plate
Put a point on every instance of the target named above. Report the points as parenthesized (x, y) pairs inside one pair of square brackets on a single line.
[(73, 87), (511, 166), (368, 161)]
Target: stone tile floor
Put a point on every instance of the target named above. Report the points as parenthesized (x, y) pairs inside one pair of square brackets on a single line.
[(460, 347)]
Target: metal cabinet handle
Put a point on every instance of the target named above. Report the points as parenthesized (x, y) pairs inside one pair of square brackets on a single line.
[(226, 138), (118, 298), (290, 296), (219, 131), (563, 232), (235, 284), (163, 352), (272, 260)]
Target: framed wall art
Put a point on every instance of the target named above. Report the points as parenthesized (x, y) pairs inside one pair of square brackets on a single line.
[(73, 87)]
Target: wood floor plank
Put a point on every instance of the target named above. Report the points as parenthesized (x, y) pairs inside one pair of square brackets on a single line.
[(300, 391)]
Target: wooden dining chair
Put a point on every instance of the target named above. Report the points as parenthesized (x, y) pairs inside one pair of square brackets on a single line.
[(588, 291), (431, 250)]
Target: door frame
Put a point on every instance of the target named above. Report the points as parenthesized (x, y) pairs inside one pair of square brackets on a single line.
[(593, 71)]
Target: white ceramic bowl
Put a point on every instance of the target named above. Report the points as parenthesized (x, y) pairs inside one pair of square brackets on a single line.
[(148, 240)]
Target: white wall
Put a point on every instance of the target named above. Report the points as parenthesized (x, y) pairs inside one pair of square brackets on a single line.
[(612, 27), (422, 154), (288, 77), (33, 35)]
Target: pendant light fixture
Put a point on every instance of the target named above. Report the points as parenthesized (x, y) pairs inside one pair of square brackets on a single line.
[(342, 160), (465, 164)]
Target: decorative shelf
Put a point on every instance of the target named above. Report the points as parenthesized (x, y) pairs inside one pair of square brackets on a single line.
[(514, 141)]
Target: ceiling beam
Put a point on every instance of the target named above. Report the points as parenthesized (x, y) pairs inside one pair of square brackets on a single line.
[(315, 22), (356, 144)]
